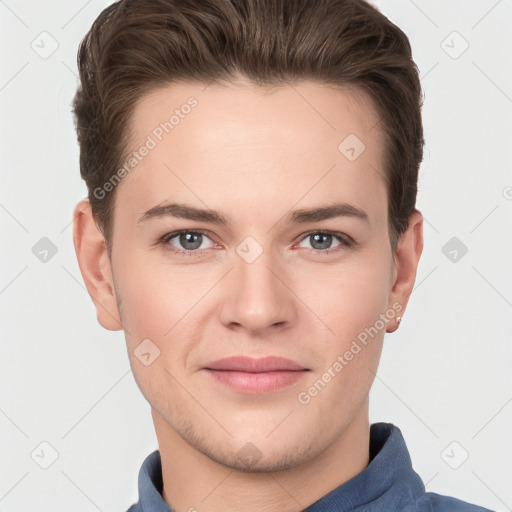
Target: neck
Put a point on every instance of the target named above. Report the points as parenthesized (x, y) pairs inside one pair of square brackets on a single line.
[(193, 481)]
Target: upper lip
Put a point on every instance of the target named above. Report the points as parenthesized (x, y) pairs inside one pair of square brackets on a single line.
[(255, 365)]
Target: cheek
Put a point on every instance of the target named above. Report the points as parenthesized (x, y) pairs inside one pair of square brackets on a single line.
[(160, 303), (349, 297), (154, 296), (352, 301), (157, 299), (155, 302), (146, 306), (353, 298)]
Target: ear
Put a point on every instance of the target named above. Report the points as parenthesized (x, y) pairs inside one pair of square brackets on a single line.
[(94, 263), (409, 249)]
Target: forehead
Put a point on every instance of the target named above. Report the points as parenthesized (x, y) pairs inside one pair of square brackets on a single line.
[(253, 113), (253, 144)]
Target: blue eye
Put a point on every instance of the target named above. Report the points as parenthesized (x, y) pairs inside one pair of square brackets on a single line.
[(321, 240), (191, 243)]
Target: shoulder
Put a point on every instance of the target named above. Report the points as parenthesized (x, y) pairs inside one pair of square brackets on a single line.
[(441, 503)]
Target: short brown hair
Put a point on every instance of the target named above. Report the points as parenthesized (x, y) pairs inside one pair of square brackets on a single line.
[(134, 47)]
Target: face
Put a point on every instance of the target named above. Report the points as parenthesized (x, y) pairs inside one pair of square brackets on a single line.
[(255, 226)]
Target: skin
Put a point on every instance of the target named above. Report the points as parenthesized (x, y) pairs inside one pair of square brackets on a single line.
[(254, 155)]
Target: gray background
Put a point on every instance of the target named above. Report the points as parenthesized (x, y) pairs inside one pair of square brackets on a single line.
[(445, 376)]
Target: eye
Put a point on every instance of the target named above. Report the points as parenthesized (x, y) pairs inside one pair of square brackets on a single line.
[(183, 242), (321, 241), (193, 243)]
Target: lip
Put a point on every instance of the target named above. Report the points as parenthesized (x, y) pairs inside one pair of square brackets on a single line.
[(251, 375), (255, 365)]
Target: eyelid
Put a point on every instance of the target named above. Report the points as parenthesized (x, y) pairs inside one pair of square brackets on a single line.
[(345, 241), (165, 239)]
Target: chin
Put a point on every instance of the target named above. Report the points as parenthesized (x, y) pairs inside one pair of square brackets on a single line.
[(251, 459)]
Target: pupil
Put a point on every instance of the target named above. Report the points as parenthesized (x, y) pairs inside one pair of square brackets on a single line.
[(188, 238), (320, 241), (326, 241)]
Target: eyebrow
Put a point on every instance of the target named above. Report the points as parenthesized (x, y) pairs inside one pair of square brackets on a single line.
[(301, 216)]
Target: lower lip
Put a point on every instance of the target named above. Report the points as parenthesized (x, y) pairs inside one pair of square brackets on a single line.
[(245, 382)]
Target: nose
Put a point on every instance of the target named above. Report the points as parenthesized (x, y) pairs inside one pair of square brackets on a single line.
[(257, 297)]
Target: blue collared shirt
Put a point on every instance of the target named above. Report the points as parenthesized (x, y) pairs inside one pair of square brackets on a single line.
[(387, 484)]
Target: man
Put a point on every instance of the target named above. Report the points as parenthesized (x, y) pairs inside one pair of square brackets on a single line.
[(252, 171)]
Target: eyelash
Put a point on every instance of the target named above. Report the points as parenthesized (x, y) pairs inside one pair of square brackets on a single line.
[(345, 240)]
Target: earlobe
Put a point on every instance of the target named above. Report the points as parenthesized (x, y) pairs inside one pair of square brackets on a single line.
[(408, 253), (92, 256)]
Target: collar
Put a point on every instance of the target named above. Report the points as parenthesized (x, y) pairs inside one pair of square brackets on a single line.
[(387, 483)]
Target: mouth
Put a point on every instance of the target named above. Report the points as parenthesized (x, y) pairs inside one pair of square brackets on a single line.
[(250, 375)]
